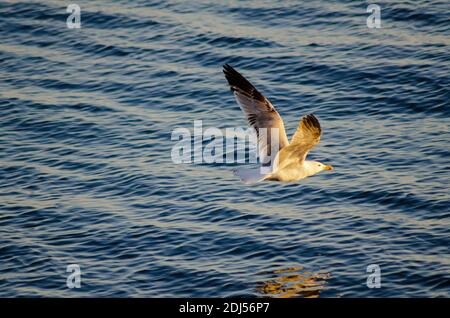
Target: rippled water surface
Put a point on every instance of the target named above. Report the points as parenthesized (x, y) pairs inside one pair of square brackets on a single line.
[(86, 175)]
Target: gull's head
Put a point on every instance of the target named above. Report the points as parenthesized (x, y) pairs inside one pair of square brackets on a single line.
[(316, 166)]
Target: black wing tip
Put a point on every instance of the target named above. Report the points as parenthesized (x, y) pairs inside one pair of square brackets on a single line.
[(228, 69), (230, 73), (236, 79), (239, 83), (312, 120)]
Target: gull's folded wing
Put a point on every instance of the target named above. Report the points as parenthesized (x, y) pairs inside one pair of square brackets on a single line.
[(307, 135)]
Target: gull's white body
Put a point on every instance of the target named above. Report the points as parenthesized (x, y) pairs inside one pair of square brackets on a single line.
[(290, 162), (290, 172), (295, 171)]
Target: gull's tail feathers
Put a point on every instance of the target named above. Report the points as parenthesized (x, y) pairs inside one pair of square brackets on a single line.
[(250, 176)]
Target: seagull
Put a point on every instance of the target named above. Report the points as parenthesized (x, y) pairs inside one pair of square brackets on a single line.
[(289, 164)]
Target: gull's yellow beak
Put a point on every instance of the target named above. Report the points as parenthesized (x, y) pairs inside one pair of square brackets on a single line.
[(328, 168)]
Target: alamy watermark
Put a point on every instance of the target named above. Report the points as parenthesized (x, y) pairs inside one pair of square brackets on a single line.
[(374, 279), (374, 19), (230, 145), (74, 278), (74, 19)]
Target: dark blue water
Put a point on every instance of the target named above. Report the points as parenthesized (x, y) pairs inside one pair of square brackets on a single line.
[(86, 175)]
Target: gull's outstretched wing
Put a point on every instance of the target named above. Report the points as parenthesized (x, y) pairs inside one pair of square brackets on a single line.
[(259, 111), (307, 135)]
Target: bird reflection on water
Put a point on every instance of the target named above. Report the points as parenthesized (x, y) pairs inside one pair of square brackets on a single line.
[(293, 282)]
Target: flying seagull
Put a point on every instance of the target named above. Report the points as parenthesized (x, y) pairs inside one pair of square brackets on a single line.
[(289, 162)]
